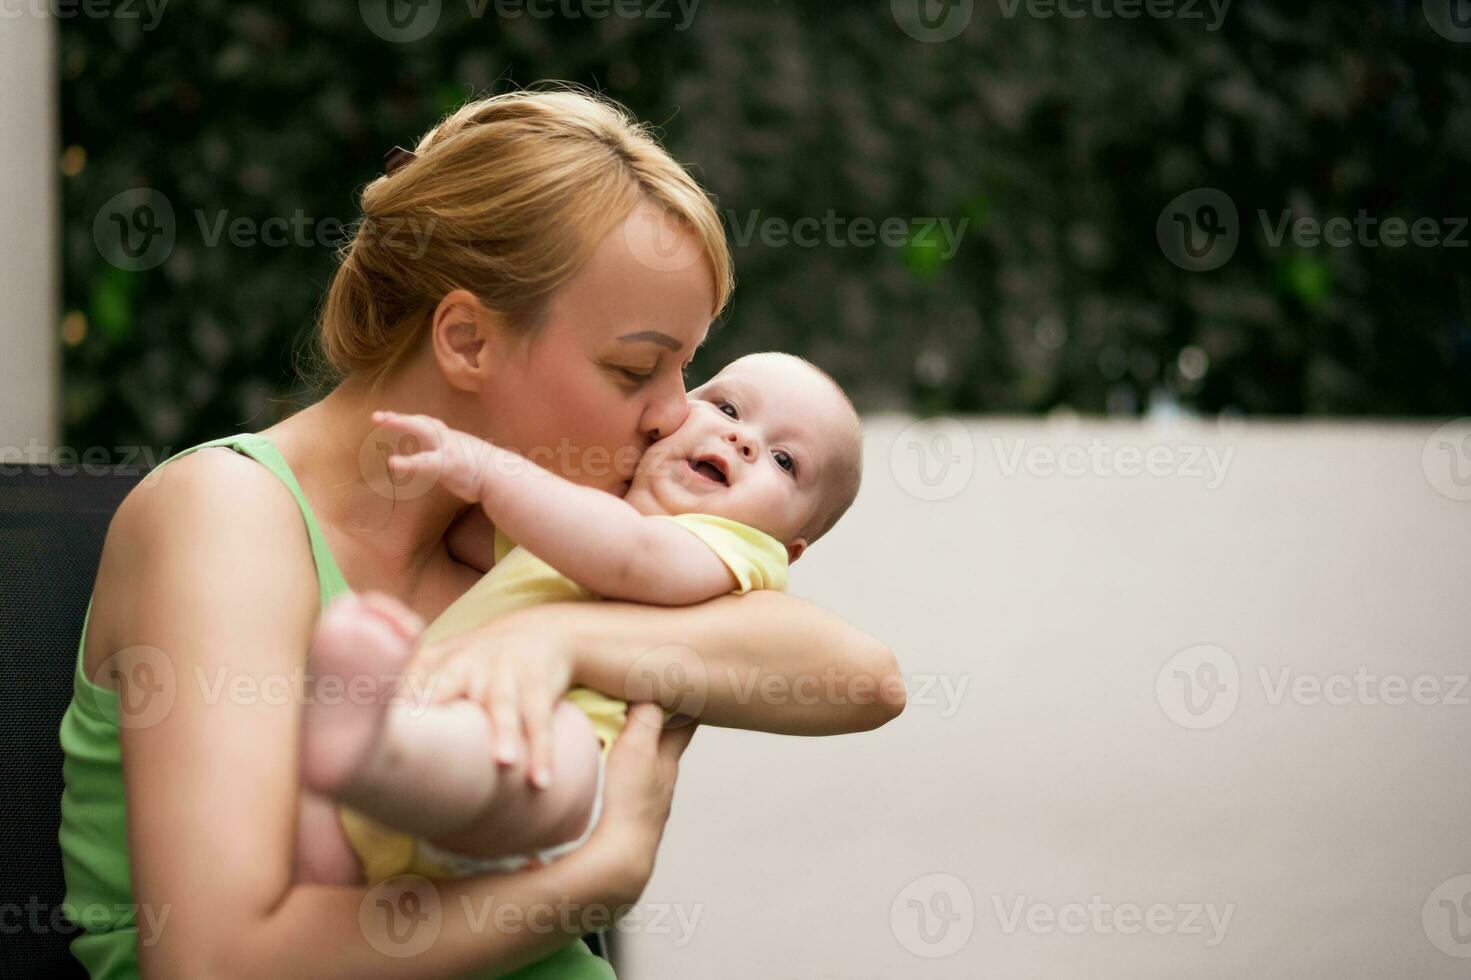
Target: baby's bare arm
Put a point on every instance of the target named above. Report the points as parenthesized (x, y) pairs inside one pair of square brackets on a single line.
[(594, 538)]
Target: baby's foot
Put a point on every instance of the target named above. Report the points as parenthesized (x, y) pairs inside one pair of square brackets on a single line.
[(357, 659)]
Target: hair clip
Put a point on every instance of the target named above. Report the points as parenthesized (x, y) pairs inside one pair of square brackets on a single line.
[(396, 158)]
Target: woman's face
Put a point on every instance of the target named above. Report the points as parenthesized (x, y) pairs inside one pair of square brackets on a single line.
[(603, 375)]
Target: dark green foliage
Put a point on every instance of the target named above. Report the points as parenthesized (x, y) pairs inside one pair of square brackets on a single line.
[(1057, 140)]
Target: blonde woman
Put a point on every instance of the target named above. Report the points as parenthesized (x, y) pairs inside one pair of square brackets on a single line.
[(539, 272)]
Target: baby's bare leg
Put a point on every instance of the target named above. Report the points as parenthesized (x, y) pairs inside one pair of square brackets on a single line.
[(430, 770), (434, 775)]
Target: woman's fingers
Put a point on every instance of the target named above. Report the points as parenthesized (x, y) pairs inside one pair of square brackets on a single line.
[(673, 741), (639, 739), (503, 704), (538, 719)]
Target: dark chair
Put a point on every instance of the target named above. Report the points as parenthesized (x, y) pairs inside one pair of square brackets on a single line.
[(52, 523)]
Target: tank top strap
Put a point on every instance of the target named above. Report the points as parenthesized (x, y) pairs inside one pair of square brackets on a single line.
[(329, 577)]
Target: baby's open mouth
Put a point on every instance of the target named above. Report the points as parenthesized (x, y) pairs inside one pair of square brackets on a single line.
[(708, 469)]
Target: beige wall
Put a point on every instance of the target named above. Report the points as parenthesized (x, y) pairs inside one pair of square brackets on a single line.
[(29, 213), (1060, 772)]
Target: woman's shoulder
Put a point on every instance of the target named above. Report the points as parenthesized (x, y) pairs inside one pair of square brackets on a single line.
[(209, 492), (215, 526)]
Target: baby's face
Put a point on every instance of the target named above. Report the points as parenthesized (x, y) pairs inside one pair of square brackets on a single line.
[(759, 444)]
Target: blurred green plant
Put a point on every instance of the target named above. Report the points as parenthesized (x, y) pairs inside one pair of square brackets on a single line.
[(1055, 141)]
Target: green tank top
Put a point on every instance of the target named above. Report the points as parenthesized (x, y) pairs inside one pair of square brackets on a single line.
[(93, 833)]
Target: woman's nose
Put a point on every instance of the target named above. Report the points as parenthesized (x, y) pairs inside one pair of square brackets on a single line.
[(665, 413)]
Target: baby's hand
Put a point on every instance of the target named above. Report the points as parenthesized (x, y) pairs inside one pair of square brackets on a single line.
[(457, 459)]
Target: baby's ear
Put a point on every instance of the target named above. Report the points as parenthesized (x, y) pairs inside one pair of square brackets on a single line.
[(795, 549)]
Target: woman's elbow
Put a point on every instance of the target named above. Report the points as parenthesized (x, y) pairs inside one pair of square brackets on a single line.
[(890, 695)]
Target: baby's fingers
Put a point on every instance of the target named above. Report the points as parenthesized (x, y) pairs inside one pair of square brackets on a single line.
[(422, 427), (407, 464)]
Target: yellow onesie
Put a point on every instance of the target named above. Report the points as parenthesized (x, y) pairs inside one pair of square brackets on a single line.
[(518, 580)]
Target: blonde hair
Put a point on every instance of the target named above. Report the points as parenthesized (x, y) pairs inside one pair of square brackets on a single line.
[(506, 197)]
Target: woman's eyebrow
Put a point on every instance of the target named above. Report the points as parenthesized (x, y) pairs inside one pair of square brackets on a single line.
[(653, 337)]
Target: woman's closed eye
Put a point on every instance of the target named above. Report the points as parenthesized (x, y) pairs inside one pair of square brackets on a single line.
[(634, 375)]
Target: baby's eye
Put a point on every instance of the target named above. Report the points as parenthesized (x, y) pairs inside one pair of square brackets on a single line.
[(784, 460), (728, 409)]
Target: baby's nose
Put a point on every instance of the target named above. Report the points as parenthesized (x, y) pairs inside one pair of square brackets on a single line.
[(734, 438)]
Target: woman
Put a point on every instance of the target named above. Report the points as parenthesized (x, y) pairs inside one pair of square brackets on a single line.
[(539, 273)]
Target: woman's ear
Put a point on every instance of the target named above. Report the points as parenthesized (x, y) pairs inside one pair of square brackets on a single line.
[(795, 549), (464, 336)]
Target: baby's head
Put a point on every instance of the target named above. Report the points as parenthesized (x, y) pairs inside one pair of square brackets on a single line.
[(771, 441)]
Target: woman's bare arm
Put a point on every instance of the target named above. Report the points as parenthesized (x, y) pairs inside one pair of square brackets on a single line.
[(765, 661), (225, 621)]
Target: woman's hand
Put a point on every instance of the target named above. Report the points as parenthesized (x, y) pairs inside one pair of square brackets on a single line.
[(518, 669), (638, 790)]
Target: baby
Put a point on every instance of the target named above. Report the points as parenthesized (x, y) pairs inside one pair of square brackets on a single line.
[(766, 462)]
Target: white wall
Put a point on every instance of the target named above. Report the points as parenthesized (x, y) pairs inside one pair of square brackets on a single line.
[(1058, 601), (29, 215)]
